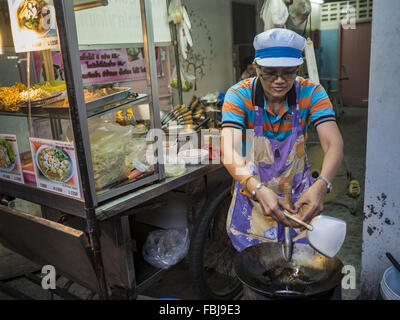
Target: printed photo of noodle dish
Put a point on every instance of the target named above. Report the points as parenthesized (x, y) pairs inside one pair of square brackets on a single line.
[(7, 156), (54, 163), (35, 15)]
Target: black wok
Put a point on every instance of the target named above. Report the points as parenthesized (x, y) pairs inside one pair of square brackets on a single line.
[(264, 270)]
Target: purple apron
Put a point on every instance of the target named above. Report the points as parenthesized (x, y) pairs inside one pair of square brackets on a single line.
[(246, 224)]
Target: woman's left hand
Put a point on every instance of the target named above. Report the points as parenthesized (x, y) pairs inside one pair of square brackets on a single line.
[(314, 199)]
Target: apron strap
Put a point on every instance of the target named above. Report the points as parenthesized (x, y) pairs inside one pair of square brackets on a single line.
[(296, 124), (258, 103)]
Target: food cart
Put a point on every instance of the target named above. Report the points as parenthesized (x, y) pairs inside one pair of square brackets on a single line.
[(98, 137)]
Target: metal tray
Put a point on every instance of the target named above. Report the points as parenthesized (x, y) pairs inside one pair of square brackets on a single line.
[(55, 97), (103, 101), (94, 106)]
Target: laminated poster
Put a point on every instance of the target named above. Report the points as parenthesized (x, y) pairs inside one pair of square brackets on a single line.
[(54, 163), (33, 25), (10, 162)]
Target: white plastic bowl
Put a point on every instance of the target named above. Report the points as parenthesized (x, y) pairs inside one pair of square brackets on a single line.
[(390, 284), (193, 156)]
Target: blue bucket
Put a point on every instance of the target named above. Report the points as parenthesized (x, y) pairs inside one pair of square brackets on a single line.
[(390, 284)]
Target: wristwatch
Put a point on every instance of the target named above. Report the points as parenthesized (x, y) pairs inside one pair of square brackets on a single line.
[(253, 193), (328, 184)]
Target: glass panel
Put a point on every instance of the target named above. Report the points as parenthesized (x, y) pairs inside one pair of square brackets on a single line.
[(36, 136), (117, 91), (193, 83)]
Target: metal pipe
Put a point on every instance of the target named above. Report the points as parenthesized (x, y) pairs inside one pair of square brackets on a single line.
[(177, 62), (152, 82), (288, 244), (70, 54), (90, 4), (288, 241)]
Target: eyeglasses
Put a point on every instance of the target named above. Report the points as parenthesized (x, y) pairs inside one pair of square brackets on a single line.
[(272, 76)]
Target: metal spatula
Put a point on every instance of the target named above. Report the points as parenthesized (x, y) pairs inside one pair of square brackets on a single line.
[(325, 234)]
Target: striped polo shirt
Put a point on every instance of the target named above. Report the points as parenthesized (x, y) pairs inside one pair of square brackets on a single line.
[(238, 110)]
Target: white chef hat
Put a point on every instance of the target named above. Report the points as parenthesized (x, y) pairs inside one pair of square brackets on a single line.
[(279, 48)]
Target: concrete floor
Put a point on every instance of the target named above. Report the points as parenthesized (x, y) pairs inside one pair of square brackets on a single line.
[(175, 282), (353, 125)]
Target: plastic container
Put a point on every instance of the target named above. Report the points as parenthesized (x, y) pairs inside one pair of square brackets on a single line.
[(390, 284), (170, 148), (193, 156), (174, 166)]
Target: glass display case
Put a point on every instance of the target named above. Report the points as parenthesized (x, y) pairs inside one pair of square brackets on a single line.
[(80, 117)]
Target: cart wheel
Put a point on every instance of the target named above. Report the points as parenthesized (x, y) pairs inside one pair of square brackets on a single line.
[(211, 252)]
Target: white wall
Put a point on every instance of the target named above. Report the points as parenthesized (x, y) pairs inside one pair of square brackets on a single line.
[(212, 35), (381, 229)]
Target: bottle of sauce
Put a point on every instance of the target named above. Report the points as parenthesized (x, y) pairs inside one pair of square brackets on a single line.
[(119, 118)]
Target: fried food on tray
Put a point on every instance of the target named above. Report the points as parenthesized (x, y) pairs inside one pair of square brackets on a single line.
[(10, 97), (93, 95), (51, 86), (20, 86), (34, 94)]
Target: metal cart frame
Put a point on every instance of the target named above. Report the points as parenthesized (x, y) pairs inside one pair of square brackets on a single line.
[(89, 240)]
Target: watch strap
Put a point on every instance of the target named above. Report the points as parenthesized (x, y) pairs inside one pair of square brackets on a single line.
[(328, 184)]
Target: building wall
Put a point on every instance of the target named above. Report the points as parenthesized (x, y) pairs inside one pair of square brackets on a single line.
[(212, 37), (381, 229), (328, 55)]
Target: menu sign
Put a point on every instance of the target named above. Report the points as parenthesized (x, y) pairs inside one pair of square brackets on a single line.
[(54, 163), (33, 25), (10, 162), (99, 66)]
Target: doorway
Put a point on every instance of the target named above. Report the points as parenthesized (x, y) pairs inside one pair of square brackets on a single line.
[(244, 31), (354, 59)]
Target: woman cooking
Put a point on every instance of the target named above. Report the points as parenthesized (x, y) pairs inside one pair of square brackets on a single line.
[(265, 119)]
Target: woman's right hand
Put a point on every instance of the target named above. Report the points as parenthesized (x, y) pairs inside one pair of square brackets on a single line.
[(272, 204)]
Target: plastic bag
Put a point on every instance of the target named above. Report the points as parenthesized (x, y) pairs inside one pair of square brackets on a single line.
[(136, 158), (174, 166), (211, 97), (186, 80), (299, 11), (108, 141), (175, 11), (274, 13), (165, 248)]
